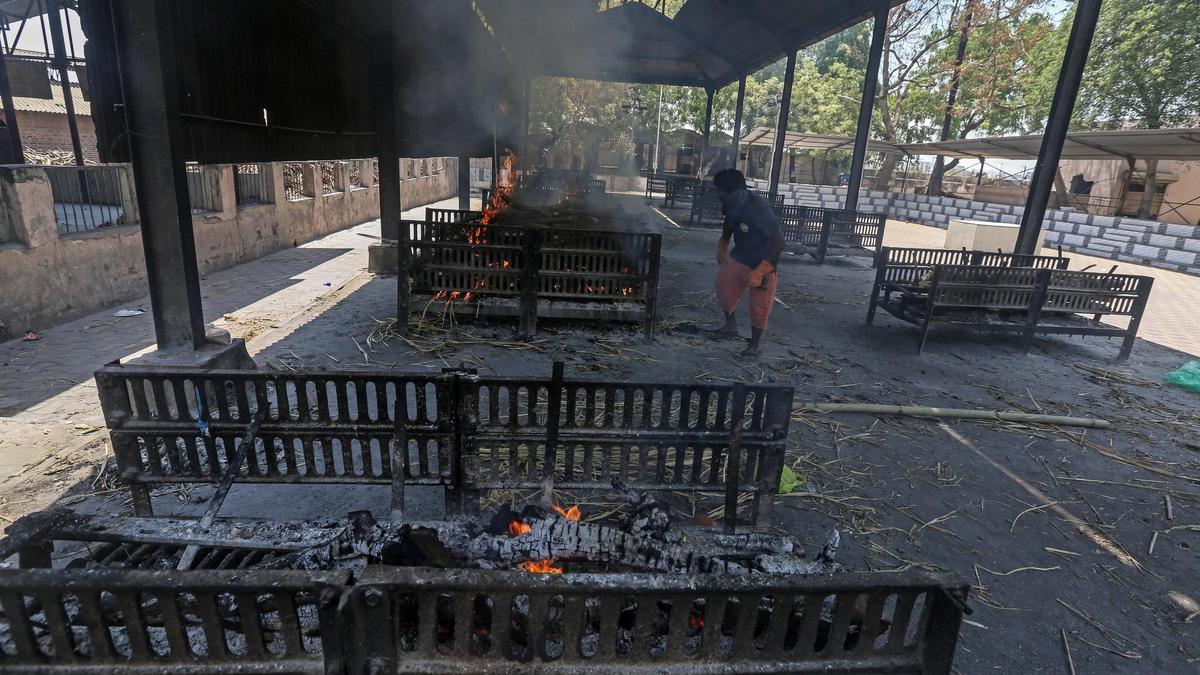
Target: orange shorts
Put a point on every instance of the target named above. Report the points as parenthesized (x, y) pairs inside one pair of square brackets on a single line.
[(731, 284)]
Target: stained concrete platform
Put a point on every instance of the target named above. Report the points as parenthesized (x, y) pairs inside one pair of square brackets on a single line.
[(1041, 521)]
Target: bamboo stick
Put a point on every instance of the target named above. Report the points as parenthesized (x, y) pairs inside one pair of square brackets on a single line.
[(955, 413)]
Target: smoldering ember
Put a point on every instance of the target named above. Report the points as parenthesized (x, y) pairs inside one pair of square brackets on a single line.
[(658, 336)]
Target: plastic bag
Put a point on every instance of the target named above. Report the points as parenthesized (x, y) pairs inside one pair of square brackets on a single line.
[(788, 481), (1187, 377)]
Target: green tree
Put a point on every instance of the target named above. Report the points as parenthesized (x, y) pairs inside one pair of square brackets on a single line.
[(1143, 71)]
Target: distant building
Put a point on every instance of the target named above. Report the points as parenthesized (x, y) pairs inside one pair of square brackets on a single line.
[(42, 112), (43, 125)]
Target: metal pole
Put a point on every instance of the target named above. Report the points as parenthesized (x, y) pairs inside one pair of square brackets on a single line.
[(708, 106), (523, 160), (658, 128), (737, 121), (15, 153), (781, 124), (867, 106), (147, 61), (464, 182), (60, 64), (384, 39), (1084, 27)]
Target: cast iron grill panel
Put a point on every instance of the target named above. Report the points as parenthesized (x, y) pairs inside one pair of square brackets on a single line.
[(97, 620), (481, 621), (451, 215), (171, 426), (823, 229)]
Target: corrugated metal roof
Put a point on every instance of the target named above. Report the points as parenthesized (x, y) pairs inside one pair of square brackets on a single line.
[(1181, 144), (798, 140), (55, 103), (707, 43)]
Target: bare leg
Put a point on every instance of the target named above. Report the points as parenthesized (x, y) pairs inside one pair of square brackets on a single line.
[(730, 328), (755, 337)]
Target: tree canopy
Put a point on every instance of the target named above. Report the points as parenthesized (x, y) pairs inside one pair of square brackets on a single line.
[(1143, 70)]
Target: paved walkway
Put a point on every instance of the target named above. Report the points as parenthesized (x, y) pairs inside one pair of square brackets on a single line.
[(50, 420), (1172, 318)]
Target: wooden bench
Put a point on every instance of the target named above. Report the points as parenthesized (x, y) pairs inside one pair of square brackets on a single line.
[(901, 270), (1025, 301)]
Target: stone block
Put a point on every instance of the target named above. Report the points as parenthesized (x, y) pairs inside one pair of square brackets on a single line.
[(1182, 257), (1180, 230), (1162, 241), (1144, 251), (26, 206), (1191, 245), (231, 356)]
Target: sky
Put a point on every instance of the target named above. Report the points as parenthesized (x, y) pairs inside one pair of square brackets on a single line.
[(33, 39)]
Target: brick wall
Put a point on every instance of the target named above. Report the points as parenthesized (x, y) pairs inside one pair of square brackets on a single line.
[(45, 131)]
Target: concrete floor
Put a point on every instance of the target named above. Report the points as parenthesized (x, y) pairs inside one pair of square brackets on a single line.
[(1036, 518)]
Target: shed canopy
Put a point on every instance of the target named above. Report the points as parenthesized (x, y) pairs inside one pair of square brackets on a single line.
[(708, 43), (798, 140), (1179, 144)]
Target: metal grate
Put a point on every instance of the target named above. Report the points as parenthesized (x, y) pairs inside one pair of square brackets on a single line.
[(99, 620), (354, 175), (91, 197), (607, 275), (250, 184), (184, 426), (202, 193), (125, 614), (293, 182), (330, 184), (436, 620)]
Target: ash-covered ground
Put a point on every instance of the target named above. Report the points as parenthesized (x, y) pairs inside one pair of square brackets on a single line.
[(1052, 526)]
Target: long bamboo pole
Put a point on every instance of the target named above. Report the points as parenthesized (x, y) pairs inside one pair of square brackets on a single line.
[(954, 413)]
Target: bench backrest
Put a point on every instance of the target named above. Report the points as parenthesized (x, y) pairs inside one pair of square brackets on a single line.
[(1097, 293), (986, 287), (813, 226), (1043, 290), (909, 265)]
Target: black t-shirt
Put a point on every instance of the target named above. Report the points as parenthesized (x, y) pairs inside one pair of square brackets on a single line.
[(753, 231)]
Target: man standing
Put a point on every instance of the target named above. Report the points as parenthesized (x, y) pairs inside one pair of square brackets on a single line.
[(757, 243)]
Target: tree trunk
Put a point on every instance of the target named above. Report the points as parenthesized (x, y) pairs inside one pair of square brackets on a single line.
[(1148, 189), (938, 174), (884, 177)]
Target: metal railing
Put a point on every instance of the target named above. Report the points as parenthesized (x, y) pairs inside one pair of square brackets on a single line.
[(91, 197), (354, 176), (202, 193), (250, 185)]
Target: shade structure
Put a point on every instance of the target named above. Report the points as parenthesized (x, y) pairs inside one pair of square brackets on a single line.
[(1178, 144), (798, 140), (708, 42)]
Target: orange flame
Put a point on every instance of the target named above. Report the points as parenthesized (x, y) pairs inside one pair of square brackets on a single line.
[(504, 189), (541, 567), (572, 513), (517, 528)]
